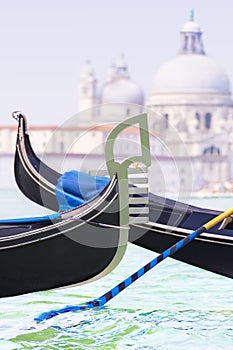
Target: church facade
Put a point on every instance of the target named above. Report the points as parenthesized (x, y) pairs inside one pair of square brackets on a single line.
[(192, 94)]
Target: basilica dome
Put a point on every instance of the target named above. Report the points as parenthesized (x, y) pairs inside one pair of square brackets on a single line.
[(191, 71), (119, 88), (192, 74), (122, 91)]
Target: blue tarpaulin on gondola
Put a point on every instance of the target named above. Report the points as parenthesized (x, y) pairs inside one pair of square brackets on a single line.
[(75, 188)]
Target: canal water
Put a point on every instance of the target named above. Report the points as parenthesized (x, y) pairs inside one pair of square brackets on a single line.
[(175, 306)]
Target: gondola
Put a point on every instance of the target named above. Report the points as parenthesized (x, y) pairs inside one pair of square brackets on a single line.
[(69, 248), (63, 249), (34, 178), (169, 220)]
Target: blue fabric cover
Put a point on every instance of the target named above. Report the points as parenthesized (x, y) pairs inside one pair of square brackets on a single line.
[(75, 188), (30, 220)]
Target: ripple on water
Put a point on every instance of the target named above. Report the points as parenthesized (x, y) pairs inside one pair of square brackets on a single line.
[(117, 328)]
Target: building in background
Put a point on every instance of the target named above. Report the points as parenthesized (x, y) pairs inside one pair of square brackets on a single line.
[(117, 88), (191, 93)]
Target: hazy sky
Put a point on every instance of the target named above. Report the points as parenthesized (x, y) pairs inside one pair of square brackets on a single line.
[(44, 44)]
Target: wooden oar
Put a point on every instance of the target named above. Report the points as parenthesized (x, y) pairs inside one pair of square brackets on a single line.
[(142, 271)]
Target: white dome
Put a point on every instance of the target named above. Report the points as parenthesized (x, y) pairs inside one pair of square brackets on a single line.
[(191, 73), (119, 88), (122, 90)]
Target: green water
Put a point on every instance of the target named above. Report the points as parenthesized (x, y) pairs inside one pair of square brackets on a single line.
[(174, 306)]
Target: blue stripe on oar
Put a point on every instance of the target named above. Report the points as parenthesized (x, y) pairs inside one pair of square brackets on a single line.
[(166, 253), (141, 272), (127, 282), (115, 291), (179, 245)]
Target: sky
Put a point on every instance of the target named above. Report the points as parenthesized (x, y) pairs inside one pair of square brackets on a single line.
[(45, 43)]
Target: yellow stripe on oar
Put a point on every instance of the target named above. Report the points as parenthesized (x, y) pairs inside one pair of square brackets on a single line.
[(218, 219)]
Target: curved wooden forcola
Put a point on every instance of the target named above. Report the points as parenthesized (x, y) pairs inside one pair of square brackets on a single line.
[(169, 220)]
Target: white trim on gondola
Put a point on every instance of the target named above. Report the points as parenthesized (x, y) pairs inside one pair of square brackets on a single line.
[(181, 232), (77, 215)]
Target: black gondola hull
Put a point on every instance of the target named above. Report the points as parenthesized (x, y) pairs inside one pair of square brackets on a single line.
[(209, 254), (213, 255), (30, 174), (81, 246), (51, 263)]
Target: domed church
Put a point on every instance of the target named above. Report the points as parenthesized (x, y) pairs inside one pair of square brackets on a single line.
[(191, 92), (117, 88)]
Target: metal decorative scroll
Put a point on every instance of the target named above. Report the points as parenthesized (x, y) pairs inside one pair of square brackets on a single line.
[(132, 177)]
